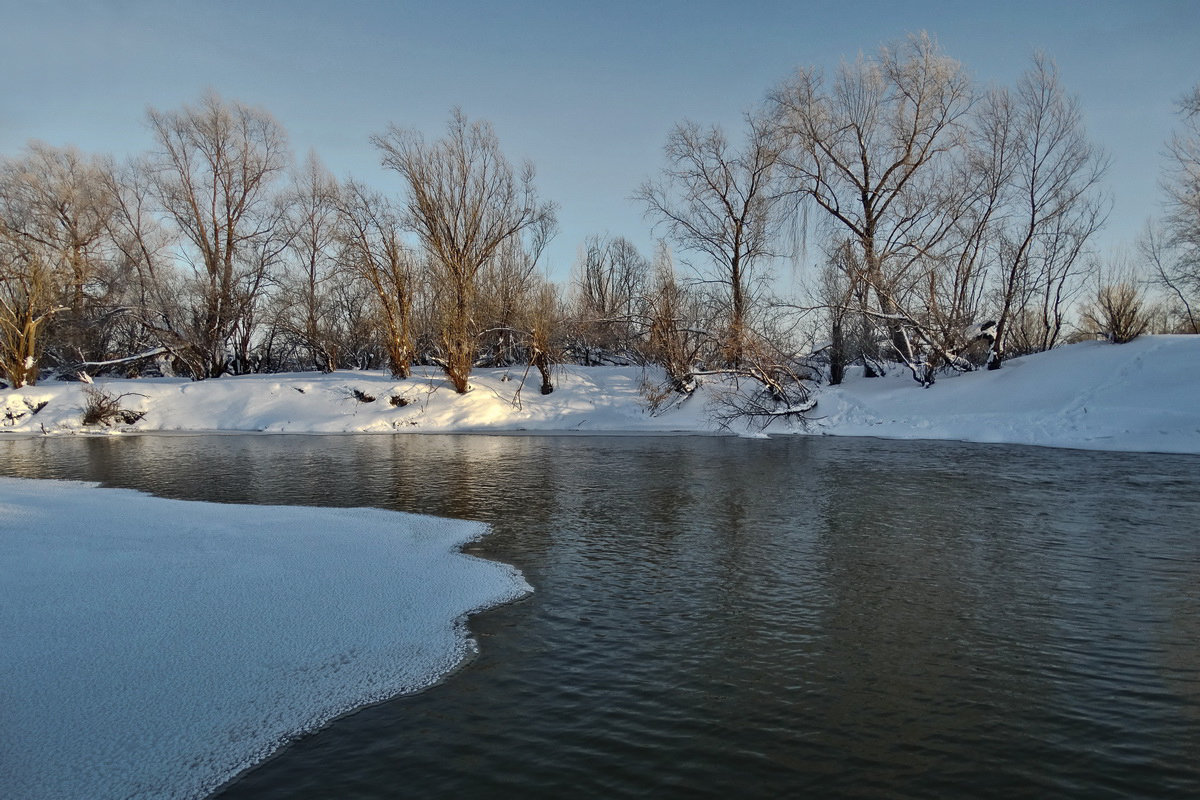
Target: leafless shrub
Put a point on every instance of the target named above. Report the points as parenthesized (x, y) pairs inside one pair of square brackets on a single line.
[(102, 408), (1118, 312), (398, 401), (660, 395), (361, 396), (673, 342)]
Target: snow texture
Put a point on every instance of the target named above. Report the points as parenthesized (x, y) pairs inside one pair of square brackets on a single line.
[(156, 648), (1138, 396), (1142, 396)]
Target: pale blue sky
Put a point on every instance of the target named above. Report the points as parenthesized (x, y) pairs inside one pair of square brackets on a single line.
[(586, 90)]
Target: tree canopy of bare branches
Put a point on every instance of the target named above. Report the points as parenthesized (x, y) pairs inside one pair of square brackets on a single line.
[(954, 225), (464, 202), (957, 205), (372, 249), (1173, 247), (212, 174), (54, 253), (870, 148), (1053, 208), (724, 203), (306, 308), (610, 286)]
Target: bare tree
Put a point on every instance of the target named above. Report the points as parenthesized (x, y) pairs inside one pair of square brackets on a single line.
[(509, 285), (1174, 247), (723, 203), (940, 300), (55, 258), (152, 283), (836, 291), (1054, 208), (1183, 180), (673, 341), (54, 213), (309, 313), (355, 304), (372, 248), (212, 175), (28, 296), (871, 149), (253, 334), (541, 323), (609, 286), (464, 202), (955, 298), (1171, 273)]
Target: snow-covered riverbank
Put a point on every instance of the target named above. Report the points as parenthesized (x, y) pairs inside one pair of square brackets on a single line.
[(1143, 396), (155, 648), (1136, 397)]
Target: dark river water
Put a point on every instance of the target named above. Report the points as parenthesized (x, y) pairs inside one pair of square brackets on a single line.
[(721, 617)]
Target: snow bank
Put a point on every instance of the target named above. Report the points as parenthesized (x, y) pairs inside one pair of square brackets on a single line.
[(1137, 396), (604, 399), (1141, 396), (156, 648)]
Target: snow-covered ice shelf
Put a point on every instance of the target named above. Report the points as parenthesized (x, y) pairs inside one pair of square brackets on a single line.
[(156, 648)]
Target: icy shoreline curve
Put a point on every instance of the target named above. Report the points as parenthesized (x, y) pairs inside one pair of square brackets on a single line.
[(1133, 397), (157, 648)]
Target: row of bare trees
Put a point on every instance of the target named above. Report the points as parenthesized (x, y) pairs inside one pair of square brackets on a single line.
[(951, 225), (213, 254), (210, 255), (953, 221), (948, 215)]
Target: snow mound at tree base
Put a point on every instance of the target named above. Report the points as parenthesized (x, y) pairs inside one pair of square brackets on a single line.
[(157, 648)]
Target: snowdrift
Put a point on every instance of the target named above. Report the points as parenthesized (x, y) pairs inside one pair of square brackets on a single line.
[(1142, 396)]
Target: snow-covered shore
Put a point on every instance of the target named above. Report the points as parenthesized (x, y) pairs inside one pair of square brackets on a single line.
[(1143, 396), (1139, 396), (156, 648)]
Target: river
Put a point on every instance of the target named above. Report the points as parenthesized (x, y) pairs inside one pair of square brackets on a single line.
[(753, 618)]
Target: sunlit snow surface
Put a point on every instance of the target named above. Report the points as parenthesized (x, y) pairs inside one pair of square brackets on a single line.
[(155, 648)]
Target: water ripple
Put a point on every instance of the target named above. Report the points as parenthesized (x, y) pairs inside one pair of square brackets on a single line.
[(779, 618)]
